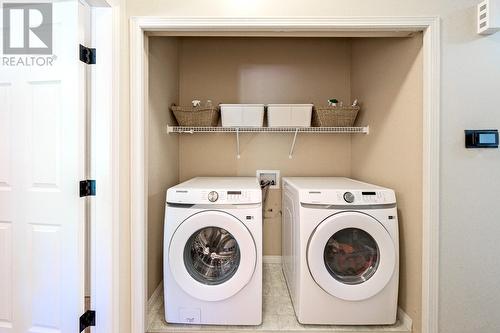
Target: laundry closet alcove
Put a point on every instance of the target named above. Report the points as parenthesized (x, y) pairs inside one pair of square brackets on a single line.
[(384, 72)]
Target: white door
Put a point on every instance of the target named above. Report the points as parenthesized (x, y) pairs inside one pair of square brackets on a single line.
[(212, 255), (42, 153), (351, 256)]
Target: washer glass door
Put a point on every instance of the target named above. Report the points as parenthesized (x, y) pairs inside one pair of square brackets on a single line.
[(212, 255), (351, 256)]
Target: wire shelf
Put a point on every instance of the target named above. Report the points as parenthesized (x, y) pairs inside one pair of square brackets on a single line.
[(312, 130), (292, 130)]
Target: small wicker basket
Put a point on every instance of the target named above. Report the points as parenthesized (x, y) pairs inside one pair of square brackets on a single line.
[(196, 116), (331, 116)]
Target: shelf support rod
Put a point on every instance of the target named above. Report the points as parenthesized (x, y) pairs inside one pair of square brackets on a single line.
[(293, 143), (238, 143)]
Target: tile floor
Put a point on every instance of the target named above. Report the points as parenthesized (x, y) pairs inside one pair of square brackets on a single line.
[(278, 314)]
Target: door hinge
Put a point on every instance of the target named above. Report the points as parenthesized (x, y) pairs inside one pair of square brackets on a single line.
[(87, 319), (87, 55), (87, 188)]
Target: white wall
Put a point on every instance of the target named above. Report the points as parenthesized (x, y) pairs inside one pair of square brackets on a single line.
[(469, 293)]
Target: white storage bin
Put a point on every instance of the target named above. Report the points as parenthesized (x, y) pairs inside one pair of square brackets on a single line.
[(289, 115), (242, 115)]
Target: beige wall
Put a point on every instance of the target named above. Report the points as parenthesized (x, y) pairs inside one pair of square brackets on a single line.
[(265, 70), (387, 77), (469, 295), (163, 149)]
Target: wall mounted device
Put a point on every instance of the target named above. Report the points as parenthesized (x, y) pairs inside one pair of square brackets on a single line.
[(269, 175), (481, 138), (488, 17)]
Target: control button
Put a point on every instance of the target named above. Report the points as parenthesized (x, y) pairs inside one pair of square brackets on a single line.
[(213, 196), (349, 197)]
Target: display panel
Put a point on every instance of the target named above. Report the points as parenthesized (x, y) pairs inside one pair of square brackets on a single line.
[(487, 138)]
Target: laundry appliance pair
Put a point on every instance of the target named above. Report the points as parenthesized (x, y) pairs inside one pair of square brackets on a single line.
[(340, 251)]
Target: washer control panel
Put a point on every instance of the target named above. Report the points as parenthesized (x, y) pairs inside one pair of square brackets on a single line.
[(225, 197), (216, 191)]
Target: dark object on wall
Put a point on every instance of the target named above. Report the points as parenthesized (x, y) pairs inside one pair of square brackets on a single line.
[(481, 138)]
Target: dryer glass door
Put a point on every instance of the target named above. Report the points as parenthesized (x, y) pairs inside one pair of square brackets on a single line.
[(351, 256), (212, 255)]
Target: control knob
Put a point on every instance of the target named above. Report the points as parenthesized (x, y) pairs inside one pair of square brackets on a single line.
[(213, 196), (349, 197)]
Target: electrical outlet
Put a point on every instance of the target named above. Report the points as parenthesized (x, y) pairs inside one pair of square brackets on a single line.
[(269, 175)]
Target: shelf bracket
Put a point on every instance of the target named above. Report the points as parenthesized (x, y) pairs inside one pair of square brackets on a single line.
[(238, 143), (290, 156)]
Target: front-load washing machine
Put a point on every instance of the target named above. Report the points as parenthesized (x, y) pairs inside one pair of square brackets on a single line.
[(213, 252), (340, 251)]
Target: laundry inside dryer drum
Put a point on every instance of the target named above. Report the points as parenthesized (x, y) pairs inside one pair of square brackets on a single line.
[(351, 256), (212, 255)]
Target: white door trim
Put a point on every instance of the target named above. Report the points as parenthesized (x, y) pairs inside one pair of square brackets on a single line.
[(104, 261), (430, 26)]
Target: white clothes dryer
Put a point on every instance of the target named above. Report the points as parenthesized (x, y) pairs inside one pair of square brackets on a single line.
[(340, 251), (213, 252)]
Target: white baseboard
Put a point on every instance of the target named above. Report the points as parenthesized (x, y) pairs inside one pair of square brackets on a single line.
[(271, 260), (405, 319)]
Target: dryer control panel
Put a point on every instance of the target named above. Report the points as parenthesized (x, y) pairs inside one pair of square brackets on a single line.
[(362, 197), (339, 191), (348, 197)]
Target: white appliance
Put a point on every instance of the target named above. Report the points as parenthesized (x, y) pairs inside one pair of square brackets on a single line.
[(213, 252), (340, 251)]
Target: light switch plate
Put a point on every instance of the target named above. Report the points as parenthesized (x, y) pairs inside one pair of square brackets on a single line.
[(272, 175)]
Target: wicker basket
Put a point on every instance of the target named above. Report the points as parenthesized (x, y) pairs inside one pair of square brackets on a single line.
[(331, 116), (196, 116)]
